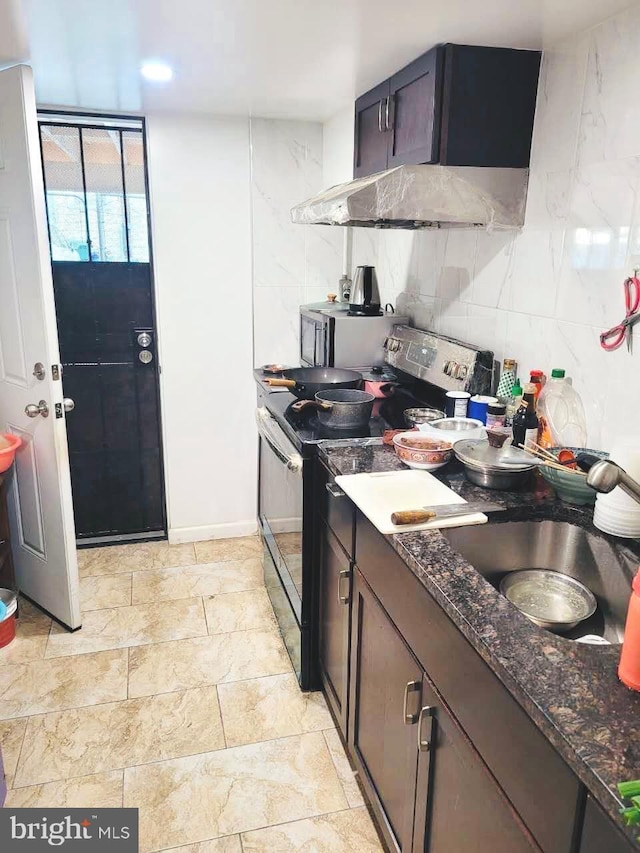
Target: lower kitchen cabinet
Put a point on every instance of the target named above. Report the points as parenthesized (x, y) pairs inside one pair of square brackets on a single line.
[(385, 691), (428, 786), (334, 572)]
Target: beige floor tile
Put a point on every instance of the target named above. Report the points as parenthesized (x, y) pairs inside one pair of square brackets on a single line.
[(233, 790), (164, 667), (119, 627), (268, 708), (228, 844), (217, 550), (103, 790), (119, 734), (137, 557), (239, 611), (343, 769), (54, 685), (11, 737), (349, 831), (32, 632), (103, 591), (191, 581), (289, 543)]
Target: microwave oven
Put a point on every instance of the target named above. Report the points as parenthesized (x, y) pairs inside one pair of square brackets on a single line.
[(330, 337)]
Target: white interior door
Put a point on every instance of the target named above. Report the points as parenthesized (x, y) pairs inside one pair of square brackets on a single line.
[(40, 503)]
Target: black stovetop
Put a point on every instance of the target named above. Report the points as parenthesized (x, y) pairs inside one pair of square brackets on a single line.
[(306, 431)]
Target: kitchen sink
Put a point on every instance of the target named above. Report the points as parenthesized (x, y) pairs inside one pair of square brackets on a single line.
[(604, 567)]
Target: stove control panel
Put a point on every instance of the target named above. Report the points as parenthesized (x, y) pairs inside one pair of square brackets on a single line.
[(445, 362)]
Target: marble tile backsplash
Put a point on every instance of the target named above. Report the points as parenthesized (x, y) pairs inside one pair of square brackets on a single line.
[(292, 264), (544, 294)]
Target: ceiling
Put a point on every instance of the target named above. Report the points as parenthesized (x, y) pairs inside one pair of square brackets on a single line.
[(276, 58)]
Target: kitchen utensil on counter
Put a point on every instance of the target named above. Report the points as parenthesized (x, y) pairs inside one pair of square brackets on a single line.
[(485, 465), (9, 443), (380, 382), (549, 599), (454, 429), (614, 337), (419, 451), (570, 488), (380, 494), (273, 369), (306, 382), (416, 416), (426, 513), (343, 408), (364, 300), (478, 405)]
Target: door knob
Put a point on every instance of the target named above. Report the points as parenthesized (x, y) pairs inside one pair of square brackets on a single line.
[(68, 404), (33, 409)]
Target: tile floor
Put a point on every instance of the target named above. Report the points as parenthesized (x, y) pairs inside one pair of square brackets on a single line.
[(177, 697)]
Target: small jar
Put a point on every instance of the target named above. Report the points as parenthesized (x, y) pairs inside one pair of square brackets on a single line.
[(456, 404), (496, 414)]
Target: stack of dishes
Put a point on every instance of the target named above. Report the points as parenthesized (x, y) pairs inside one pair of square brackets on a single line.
[(616, 512), (494, 467)]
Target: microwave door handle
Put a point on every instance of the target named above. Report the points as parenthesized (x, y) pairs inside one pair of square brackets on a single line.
[(265, 422), (318, 354)]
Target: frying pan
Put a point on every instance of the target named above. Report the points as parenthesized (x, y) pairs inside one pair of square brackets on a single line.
[(342, 408), (305, 382)]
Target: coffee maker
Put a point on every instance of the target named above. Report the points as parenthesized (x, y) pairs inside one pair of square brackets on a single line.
[(364, 300)]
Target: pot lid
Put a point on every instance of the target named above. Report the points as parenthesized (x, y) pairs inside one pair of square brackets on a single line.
[(480, 454)]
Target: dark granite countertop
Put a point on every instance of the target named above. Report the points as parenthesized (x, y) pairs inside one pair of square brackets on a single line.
[(570, 690)]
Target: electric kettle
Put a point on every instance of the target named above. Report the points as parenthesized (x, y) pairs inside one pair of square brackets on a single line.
[(365, 296)]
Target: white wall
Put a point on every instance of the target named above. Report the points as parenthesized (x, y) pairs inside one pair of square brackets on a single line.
[(337, 148), (199, 175), (542, 296), (292, 264)]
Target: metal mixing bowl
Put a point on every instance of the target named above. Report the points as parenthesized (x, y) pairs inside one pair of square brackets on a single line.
[(549, 599), (413, 417)]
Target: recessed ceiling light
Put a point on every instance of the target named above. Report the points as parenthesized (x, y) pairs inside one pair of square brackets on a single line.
[(158, 72)]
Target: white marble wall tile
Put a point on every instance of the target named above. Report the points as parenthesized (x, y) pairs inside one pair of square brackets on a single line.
[(559, 106), (536, 269), (432, 244), (492, 269), (423, 311), (276, 324), (610, 127), (397, 263), (487, 328), (365, 246), (323, 257), (455, 281)]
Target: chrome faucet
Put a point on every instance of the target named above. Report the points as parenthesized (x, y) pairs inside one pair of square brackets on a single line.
[(605, 475)]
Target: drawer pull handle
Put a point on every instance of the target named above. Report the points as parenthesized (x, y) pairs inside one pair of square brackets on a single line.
[(424, 744), (344, 574), (410, 687), (334, 491)]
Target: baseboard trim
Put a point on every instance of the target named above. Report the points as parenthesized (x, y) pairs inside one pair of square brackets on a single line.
[(178, 535)]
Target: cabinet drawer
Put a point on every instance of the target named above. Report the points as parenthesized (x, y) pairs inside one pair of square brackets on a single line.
[(599, 834), (541, 787), (335, 508)]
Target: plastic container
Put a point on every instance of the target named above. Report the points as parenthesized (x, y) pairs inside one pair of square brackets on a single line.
[(8, 449), (560, 409), (456, 404), (629, 666), (7, 630)]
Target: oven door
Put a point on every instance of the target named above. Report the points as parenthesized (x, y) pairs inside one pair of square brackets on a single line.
[(314, 345), (280, 505)]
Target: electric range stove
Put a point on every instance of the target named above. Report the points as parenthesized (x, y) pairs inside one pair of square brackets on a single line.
[(427, 366)]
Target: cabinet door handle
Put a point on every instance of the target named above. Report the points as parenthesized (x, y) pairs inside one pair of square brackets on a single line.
[(334, 491), (388, 126), (344, 574), (380, 116), (424, 744), (410, 687)]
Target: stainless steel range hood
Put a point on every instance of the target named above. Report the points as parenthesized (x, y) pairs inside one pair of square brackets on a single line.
[(422, 196)]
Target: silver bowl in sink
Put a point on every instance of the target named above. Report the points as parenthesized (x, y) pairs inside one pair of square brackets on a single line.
[(549, 599)]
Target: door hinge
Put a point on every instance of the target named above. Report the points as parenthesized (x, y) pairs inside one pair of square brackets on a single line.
[(58, 408), (56, 372)]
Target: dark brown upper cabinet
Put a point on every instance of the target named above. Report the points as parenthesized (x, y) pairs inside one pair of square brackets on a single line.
[(457, 105)]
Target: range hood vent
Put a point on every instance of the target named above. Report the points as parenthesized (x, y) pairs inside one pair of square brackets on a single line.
[(422, 196)]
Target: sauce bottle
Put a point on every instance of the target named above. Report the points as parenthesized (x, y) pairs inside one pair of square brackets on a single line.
[(629, 666), (514, 403), (536, 377), (525, 421)]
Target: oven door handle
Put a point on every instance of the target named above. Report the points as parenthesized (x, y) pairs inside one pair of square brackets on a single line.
[(268, 429)]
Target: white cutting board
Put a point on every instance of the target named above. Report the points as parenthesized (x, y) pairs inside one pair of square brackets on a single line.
[(378, 495)]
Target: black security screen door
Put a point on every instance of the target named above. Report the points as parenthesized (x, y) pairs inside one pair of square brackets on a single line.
[(97, 209)]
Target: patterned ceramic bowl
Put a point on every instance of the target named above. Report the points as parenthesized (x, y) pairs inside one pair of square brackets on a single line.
[(418, 451)]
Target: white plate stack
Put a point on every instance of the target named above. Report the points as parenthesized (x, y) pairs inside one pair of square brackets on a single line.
[(616, 512)]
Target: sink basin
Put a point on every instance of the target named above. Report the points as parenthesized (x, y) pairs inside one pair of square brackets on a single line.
[(606, 569)]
